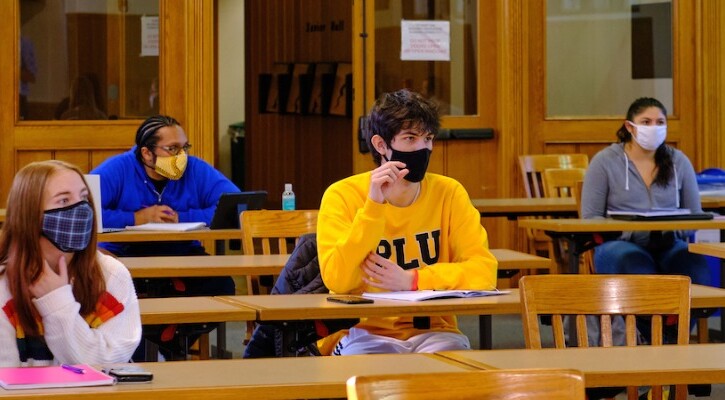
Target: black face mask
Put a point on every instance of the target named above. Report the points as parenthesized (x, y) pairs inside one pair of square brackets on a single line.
[(416, 162)]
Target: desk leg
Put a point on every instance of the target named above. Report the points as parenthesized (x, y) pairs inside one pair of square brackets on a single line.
[(289, 336), (151, 350), (567, 261), (221, 340), (577, 244), (485, 334), (573, 256)]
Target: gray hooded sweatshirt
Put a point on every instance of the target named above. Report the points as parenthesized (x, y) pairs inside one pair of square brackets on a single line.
[(612, 182)]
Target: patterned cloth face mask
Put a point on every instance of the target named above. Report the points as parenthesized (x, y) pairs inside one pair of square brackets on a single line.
[(69, 228), (172, 167)]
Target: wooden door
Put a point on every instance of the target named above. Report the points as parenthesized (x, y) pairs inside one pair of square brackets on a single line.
[(186, 87)]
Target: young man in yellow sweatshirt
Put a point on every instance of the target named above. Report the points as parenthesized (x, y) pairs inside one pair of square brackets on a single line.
[(399, 228)]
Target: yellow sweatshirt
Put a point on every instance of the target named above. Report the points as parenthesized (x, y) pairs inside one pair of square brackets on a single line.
[(440, 234)]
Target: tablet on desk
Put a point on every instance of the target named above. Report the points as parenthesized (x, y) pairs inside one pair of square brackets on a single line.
[(659, 215), (230, 205)]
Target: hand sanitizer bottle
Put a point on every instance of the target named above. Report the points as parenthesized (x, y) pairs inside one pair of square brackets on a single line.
[(288, 197)]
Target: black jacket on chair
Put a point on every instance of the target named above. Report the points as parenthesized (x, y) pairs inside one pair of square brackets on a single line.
[(301, 275)]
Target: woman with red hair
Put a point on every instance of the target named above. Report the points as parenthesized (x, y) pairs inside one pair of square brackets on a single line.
[(62, 300)]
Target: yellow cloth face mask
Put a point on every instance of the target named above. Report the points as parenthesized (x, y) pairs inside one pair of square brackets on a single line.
[(172, 167)]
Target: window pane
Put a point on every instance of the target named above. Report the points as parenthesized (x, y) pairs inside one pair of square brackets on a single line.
[(83, 60), (603, 54), (451, 83)]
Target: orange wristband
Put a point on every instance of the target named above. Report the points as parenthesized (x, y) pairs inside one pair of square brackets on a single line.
[(415, 280)]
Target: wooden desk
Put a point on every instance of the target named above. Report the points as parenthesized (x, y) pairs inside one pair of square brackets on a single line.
[(155, 267), (315, 306), (708, 249), (614, 366), (587, 226), (185, 266), (520, 207), (184, 310), (578, 232), (155, 236), (269, 378), (511, 259), (714, 250), (208, 237), (713, 203), (512, 208)]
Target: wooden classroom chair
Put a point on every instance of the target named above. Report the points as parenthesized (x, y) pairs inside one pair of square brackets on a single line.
[(273, 232), (563, 384), (563, 182), (532, 168), (605, 296)]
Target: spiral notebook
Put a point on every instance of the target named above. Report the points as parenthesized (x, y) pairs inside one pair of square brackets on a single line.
[(52, 377)]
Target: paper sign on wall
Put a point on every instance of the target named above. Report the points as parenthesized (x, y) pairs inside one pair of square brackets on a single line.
[(149, 36), (425, 40)]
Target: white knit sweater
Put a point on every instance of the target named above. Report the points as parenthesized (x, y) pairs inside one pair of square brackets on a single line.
[(68, 335)]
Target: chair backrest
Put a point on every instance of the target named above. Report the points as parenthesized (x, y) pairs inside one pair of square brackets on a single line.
[(275, 226), (602, 297), (491, 385), (532, 167), (606, 295), (561, 182)]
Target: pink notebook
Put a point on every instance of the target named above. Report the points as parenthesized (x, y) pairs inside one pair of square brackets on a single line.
[(52, 377)]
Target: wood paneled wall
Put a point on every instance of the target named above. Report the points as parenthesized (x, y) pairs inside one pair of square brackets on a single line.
[(313, 151), (511, 65), (309, 151)]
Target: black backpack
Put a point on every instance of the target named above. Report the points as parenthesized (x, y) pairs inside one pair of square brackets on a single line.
[(301, 275)]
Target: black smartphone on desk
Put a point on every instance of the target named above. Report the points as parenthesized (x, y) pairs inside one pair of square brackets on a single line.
[(349, 299), (129, 373)]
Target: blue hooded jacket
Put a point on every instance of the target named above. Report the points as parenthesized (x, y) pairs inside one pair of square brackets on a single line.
[(126, 188)]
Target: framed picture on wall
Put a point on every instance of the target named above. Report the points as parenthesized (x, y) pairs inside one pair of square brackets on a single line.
[(274, 88), (297, 102), (321, 91), (341, 101)]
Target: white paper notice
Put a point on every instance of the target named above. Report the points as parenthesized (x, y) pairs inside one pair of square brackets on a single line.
[(425, 40), (149, 36)]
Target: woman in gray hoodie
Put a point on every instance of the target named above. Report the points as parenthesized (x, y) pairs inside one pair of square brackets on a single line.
[(641, 172)]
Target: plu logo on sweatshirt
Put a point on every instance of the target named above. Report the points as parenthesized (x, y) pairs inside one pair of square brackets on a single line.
[(423, 240)]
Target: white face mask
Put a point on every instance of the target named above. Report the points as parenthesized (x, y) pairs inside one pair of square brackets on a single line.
[(650, 137)]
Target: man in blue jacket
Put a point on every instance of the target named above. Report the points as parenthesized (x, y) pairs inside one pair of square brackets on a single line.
[(157, 181)]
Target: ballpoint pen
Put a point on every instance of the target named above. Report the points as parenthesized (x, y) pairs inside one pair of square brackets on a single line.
[(73, 369)]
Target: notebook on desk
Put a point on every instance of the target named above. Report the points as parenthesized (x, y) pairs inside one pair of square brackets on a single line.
[(230, 205), (167, 226), (52, 377), (659, 215)]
